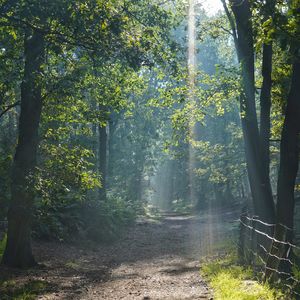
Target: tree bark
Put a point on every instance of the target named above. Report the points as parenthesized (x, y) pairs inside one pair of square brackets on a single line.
[(102, 160), (259, 184), (265, 101), (289, 163), (289, 153), (265, 110), (18, 252), (112, 125)]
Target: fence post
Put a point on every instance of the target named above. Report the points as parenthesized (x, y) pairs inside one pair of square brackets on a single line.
[(276, 252), (253, 242), (241, 243)]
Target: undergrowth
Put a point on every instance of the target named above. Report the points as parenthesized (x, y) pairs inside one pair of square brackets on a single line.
[(9, 290), (98, 221), (152, 212), (231, 281), (180, 206), (2, 245)]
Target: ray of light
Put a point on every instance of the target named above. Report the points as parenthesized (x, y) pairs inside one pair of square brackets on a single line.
[(192, 69)]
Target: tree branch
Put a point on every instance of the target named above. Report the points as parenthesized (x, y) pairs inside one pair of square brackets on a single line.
[(226, 30), (9, 107), (232, 24)]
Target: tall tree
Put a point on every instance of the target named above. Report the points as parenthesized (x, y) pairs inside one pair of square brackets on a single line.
[(265, 98), (18, 250), (242, 30), (289, 163)]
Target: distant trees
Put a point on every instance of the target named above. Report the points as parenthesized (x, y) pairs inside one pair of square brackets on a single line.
[(218, 169)]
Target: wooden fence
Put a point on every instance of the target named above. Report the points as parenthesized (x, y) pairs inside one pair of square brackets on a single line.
[(255, 249)]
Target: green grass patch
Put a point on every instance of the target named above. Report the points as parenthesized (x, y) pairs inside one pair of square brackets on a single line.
[(2, 245), (10, 290), (230, 281)]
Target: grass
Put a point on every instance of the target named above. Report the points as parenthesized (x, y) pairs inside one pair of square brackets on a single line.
[(230, 281), (10, 290), (2, 245)]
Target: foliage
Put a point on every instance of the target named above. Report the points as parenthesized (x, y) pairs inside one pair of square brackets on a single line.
[(28, 291), (152, 212), (97, 68), (93, 220), (106, 221), (2, 245), (230, 281), (180, 206), (5, 164)]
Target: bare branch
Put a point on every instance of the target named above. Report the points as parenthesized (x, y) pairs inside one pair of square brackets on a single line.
[(9, 107), (226, 30), (232, 24)]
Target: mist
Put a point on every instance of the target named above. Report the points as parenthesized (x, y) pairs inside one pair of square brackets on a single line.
[(149, 149)]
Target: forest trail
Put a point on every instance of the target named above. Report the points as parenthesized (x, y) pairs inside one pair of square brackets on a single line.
[(160, 260), (153, 260)]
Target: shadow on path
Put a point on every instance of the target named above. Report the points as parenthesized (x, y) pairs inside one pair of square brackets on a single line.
[(153, 260)]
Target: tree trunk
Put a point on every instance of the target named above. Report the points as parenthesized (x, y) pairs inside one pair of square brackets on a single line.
[(289, 153), (265, 110), (265, 101), (259, 184), (102, 160), (18, 251), (289, 162), (112, 124)]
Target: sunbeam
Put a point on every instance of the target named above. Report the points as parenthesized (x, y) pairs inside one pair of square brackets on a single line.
[(192, 70)]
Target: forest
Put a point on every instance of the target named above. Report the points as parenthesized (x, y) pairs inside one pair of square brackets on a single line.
[(149, 149)]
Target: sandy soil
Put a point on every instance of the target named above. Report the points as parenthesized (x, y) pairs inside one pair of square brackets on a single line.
[(153, 260)]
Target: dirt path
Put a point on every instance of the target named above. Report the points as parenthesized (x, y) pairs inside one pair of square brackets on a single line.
[(160, 262), (153, 260)]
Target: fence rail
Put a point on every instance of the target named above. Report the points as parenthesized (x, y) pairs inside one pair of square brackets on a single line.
[(256, 245)]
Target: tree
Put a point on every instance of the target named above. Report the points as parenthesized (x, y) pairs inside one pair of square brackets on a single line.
[(18, 250), (265, 95), (242, 31), (114, 32), (289, 144)]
